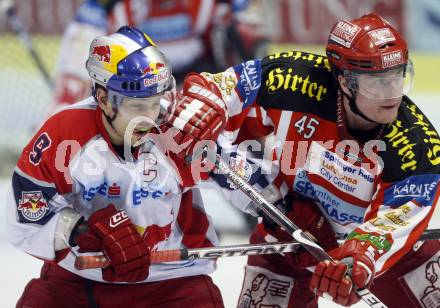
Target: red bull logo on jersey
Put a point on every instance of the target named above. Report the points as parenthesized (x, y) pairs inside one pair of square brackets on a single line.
[(155, 234), (33, 205), (155, 72), (102, 53)]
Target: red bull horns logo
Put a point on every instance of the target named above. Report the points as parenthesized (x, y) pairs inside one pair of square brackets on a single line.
[(155, 234), (33, 205), (155, 72), (102, 53)]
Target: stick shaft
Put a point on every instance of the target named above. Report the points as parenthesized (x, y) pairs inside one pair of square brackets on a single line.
[(430, 234), (87, 262), (281, 220), (270, 210)]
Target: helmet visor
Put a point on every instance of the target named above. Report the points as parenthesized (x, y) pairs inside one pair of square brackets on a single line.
[(154, 108), (386, 85)]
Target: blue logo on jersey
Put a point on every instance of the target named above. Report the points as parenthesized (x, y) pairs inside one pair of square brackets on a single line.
[(341, 212), (141, 193), (249, 81), (341, 217), (420, 188)]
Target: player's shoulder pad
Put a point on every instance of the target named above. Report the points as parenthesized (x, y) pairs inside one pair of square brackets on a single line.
[(71, 125), (75, 123), (412, 144), (298, 81)]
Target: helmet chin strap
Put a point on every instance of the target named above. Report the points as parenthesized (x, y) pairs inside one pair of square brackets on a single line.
[(354, 108), (111, 119)]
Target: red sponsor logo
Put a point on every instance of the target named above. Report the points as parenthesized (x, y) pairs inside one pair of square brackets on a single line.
[(392, 58), (102, 53), (381, 36), (344, 33), (155, 234), (156, 78), (114, 191), (33, 205)]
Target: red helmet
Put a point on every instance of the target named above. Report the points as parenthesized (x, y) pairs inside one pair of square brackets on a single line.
[(366, 44)]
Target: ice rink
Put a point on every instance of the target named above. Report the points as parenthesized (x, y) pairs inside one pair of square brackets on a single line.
[(18, 268)]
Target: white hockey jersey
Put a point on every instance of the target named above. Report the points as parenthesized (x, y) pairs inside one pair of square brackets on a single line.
[(71, 163)]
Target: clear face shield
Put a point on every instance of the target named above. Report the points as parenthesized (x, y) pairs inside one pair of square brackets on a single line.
[(152, 109), (391, 84)]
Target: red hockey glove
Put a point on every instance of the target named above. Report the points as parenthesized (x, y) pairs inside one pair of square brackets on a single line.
[(307, 216), (352, 269), (199, 114), (112, 232)]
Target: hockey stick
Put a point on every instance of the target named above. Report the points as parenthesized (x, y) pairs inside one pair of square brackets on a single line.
[(430, 234), (281, 220), (7, 8), (86, 262)]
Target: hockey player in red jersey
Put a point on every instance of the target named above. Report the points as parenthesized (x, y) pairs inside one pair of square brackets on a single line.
[(351, 143), (94, 180)]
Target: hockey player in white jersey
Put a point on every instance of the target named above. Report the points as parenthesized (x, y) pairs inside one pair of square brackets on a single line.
[(76, 189)]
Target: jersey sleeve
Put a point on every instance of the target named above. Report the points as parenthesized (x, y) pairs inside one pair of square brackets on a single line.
[(240, 86), (408, 191), (41, 183), (247, 121)]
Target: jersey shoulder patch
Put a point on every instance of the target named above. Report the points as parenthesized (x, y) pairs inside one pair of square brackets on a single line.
[(249, 81), (298, 81), (412, 144)]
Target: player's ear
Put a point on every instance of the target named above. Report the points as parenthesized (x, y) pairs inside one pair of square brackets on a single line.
[(344, 85), (102, 98)]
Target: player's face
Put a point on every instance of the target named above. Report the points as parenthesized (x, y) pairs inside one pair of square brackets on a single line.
[(136, 116), (382, 111), (379, 96)]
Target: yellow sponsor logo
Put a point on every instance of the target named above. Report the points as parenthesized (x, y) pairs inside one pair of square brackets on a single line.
[(395, 217), (431, 137), (399, 140), (280, 78), (225, 82), (378, 223), (319, 61)]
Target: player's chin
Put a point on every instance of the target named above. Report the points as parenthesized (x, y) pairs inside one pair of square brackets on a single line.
[(386, 115)]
